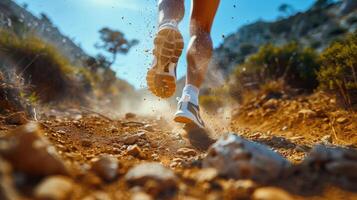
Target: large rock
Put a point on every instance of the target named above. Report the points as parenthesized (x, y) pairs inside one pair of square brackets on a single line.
[(54, 188), (106, 167), (336, 160), (28, 151), (155, 177), (235, 157)]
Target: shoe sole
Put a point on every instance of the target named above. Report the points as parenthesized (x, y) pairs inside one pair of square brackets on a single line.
[(183, 120), (168, 48)]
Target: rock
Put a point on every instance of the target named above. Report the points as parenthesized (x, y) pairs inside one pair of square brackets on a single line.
[(271, 193), (98, 196), (149, 127), (132, 139), (206, 175), (7, 187), (28, 151), (153, 175), (18, 118), (327, 139), (186, 152), (130, 115), (345, 168), (235, 157), (54, 188), (106, 167), (241, 189), (86, 142), (342, 120), (141, 196), (134, 150)]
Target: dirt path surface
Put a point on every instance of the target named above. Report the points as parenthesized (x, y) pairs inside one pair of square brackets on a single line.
[(95, 157)]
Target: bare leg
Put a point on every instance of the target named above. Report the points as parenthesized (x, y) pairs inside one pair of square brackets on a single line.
[(168, 46), (198, 57), (200, 48), (171, 10)]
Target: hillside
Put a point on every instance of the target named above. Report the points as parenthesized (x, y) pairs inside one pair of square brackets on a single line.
[(317, 28), (13, 16)]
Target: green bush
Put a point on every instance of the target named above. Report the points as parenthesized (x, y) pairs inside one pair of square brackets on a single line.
[(49, 73), (213, 99), (339, 68), (295, 65)]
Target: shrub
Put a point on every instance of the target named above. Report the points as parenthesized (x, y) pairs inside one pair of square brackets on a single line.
[(294, 65), (339, 68), (213, 99), (42, 66)]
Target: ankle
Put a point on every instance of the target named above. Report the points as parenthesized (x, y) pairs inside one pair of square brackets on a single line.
[(191, 91)]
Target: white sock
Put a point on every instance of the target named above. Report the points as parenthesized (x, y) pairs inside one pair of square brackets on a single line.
[(191, 91)]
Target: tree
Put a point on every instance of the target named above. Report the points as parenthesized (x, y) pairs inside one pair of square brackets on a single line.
[(115, 43), (286, 9)]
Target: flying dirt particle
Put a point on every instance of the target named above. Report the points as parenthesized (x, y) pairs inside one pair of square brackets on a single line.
[(234, 6), (223, 36)]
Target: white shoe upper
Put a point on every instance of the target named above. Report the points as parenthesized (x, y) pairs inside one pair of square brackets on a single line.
[(190, 111)]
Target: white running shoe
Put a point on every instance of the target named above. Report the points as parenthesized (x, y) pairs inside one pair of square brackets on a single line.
[(188, 112), (161, 77)]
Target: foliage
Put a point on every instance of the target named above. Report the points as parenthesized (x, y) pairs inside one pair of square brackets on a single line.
[(42, 66), (289, 65), (213, 99), (339, 67), (115, 43)]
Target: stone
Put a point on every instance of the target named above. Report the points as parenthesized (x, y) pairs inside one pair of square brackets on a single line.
[(240, 189), (54, 188), (141, 196), (345, 168), (134, 150), (86, 142), (130, 115), (154, 174), (271, 193), (206, 175), (235, 157), (327, 139), (106, 167), (18, 118), (341, 120), (186, 152), (132, 139), (98, 196), (7, 186), (30, 152)]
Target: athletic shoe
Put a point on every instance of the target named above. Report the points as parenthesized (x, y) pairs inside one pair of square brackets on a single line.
[(161, 77), (188, 112)]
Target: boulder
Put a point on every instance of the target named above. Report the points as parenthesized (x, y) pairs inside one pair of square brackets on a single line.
[(235, 157)]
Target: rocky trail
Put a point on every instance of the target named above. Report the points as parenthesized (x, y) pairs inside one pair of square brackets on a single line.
[(77, 154)]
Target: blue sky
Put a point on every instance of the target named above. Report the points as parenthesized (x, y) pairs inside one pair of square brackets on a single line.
[(82, 19)]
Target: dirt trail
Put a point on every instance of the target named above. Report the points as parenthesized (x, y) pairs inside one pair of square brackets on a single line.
[(81, 137)]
